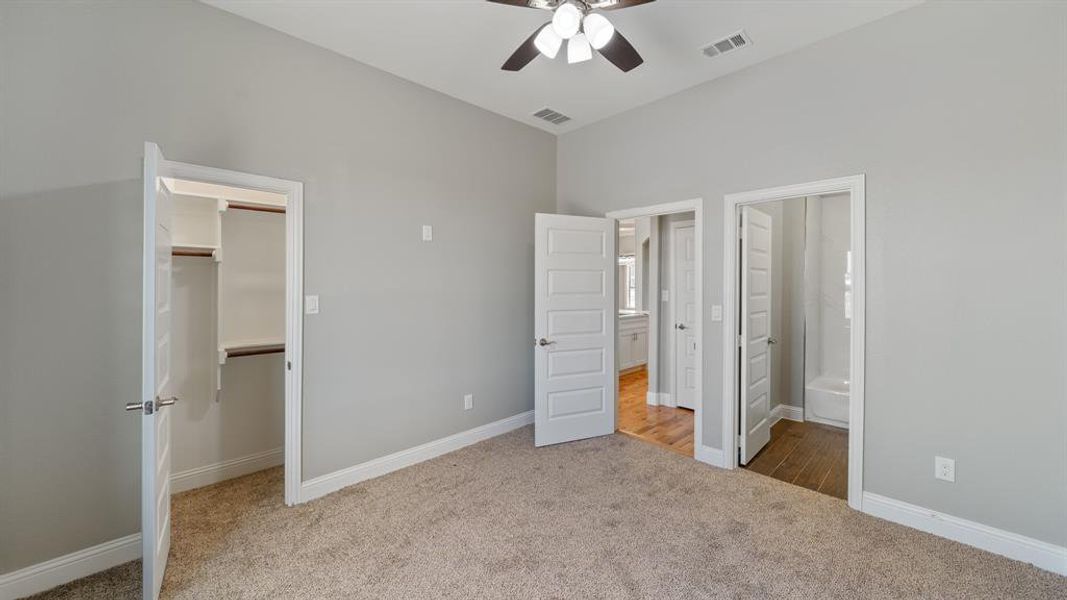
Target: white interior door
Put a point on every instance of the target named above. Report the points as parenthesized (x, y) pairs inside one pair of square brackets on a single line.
[(155, 375), (574, 325), (755, 331), (684, 277)]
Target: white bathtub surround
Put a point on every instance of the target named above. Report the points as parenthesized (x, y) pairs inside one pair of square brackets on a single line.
[(827, 297)]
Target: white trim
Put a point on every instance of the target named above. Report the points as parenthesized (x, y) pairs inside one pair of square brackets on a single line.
[(696, 206), (1005, 543), (709, 455), (190, 479), (331, 482), (294, 300), (64, 569), (788, 412), (855, 186), (658, 399)]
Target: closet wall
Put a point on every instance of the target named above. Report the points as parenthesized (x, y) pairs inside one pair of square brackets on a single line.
[(234, 412)]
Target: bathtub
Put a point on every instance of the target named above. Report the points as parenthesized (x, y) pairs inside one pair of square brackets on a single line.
[(826, 401)]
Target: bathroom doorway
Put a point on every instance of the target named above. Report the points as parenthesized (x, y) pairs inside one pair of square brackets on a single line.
[(793, 284)]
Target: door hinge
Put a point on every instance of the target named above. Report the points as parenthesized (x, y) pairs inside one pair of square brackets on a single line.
[(289, 365), (739, 340)]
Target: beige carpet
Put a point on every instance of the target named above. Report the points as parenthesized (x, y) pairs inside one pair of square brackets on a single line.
[(606, 518)]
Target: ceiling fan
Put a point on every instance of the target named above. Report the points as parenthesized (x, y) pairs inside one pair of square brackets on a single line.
[(583, 29)]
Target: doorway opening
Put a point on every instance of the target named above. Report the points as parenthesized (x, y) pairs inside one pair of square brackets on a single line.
[(793, 367), (658, 325), (222, 331)]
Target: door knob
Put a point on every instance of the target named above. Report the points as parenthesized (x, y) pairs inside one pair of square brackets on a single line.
[(771, 341), (544, 342), (165, 401), (131, 406), (680, 326)]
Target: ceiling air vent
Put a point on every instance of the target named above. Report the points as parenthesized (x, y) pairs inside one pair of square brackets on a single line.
[(728, 43), (547, 114)]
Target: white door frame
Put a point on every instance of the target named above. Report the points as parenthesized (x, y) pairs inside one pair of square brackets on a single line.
[(673, 316), (855, 186), (696, 205), (294, 287)]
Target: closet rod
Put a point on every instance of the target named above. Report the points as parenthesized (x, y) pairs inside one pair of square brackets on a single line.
[(187, 252), (256, 207), (255, 350)]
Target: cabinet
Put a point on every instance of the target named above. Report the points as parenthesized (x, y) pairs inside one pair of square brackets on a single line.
[(632, 345)]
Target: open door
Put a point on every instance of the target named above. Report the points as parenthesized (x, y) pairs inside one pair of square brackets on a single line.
[(155, 375), (684, 276), (755, 320), (574, 325)]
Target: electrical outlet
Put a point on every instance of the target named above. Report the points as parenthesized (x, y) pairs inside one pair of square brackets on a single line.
[(665, 295), (944, 468), (427, 233), (468, 402), (311, 305)]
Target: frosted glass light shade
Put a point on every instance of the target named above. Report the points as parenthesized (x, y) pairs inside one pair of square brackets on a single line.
[(548, 42), (566, 20), (598, 30), (578, 49)]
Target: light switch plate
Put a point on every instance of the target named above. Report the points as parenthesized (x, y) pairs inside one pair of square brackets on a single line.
[(665, 295), (468, 401), (311, 305), (716, 312), (427, 233)]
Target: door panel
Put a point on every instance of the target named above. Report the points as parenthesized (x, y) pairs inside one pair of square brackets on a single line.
[(756, 290), (574, 309), (156, 375), (683, 273)]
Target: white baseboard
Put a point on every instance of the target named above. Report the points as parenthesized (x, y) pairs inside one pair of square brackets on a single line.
[(320, 486), (666, 400), (658, 398), (711, 456), (785, 411), (49, 574), (228, 469), (1005, 543)]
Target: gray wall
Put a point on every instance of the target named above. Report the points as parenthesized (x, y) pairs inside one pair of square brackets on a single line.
[(402, 333), (964, 151)]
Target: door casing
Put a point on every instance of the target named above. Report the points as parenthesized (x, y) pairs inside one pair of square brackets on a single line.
[(855, 186), (701, 452), (294, 299)]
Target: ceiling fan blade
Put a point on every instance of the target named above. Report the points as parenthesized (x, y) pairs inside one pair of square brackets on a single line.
[(524, 54), (621, 53), (620, 4), (541, 4)]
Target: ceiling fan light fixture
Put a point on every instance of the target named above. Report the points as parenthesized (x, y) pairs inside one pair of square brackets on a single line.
[(578, 49), (598, 30), (548, 42), (566, 20)]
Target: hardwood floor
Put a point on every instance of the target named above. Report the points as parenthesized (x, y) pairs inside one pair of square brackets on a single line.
[(671, 428), (806, 454)]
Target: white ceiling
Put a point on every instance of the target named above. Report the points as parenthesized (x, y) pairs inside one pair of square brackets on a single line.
[(457, 46)]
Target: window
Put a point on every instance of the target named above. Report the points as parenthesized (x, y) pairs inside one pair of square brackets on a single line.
[(627, 283)]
